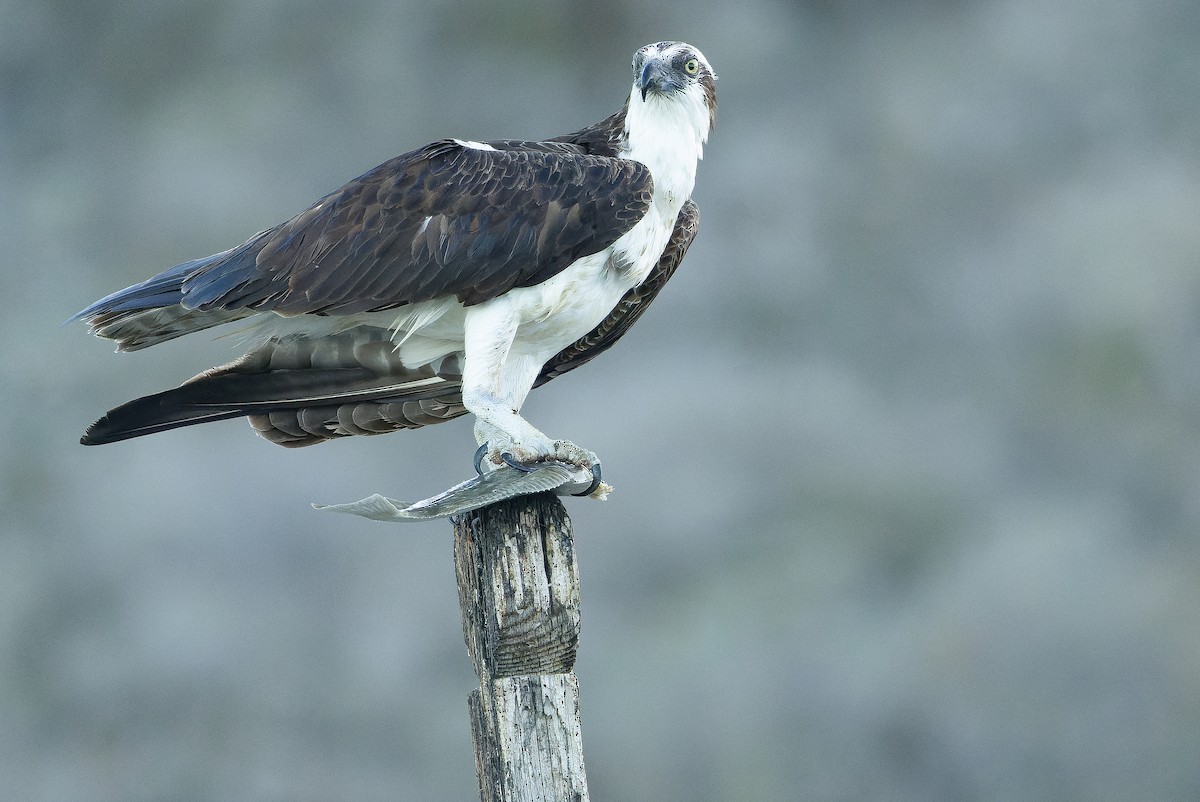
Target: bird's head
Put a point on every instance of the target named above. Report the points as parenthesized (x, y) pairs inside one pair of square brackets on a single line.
[(675, 73)]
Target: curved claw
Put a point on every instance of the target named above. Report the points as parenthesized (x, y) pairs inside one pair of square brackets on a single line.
[(595, 481), (512, 463), (480, 453)]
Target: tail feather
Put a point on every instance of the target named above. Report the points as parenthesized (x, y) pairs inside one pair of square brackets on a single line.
[(299, 391), (287, 405), (310, 425)]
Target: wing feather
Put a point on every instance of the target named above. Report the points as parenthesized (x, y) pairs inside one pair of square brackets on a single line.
[(443, 220)]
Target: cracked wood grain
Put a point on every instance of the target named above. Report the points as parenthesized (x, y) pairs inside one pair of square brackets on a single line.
[(519, 592)]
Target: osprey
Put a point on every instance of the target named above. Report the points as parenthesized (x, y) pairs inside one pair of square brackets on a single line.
[(451, 279)]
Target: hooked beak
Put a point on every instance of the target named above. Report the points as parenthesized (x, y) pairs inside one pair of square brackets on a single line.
[(655, 77)]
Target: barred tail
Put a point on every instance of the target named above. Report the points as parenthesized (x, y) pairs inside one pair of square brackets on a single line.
[(300, 391)]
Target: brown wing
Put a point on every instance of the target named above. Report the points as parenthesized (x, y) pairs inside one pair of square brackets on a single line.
[(443, 220)]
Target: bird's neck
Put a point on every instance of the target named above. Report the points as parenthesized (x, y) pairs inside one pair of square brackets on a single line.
[(667, 134)]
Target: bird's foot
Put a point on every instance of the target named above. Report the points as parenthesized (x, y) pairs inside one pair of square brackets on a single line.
[(527, 460)]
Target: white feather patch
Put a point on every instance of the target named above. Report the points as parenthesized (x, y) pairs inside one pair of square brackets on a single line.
[(470, 143)]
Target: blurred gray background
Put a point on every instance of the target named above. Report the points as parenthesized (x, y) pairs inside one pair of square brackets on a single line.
[(907, 456)]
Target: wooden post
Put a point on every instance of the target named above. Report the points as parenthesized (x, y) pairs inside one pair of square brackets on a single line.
[(518, 586)]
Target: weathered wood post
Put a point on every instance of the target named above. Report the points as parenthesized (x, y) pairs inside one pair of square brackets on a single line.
[(518, 585)]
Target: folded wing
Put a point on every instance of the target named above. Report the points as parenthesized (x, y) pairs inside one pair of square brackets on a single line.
[(300, 391)]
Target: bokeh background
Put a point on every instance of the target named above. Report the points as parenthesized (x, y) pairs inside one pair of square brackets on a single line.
[(907, 456)]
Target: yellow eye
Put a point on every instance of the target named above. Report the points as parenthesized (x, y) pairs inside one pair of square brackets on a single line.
[(692, 66)]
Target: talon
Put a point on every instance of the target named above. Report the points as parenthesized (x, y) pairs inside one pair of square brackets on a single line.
[(480, 453), (595, 481), (512, 463)]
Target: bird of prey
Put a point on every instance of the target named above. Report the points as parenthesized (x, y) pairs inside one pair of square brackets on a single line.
[(451, 279)]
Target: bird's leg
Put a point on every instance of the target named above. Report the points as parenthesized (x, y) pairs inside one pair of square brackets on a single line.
[(495, 383)]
